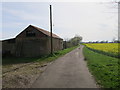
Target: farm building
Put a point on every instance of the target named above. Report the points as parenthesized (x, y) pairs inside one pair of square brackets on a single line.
[(31, 42)]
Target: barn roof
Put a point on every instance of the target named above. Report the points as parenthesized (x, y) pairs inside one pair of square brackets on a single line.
[(46, 32), (10, 40)]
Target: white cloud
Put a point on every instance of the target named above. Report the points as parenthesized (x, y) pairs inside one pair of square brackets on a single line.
[(25, 15), (86, 19)]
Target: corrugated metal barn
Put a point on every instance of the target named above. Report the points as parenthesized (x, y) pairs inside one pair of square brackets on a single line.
[(31, 42)]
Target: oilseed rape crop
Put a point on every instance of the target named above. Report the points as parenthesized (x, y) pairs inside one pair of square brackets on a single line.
[(109, 48)]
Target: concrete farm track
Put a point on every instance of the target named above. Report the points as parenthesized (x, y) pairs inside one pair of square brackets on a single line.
[(69, 71)]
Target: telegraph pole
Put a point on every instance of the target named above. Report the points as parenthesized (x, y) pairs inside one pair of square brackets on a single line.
[(51, 29)]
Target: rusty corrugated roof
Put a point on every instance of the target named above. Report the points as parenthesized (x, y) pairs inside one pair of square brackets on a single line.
[(46, 32)]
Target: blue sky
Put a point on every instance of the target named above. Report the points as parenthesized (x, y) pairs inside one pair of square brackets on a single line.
[(91, 20)]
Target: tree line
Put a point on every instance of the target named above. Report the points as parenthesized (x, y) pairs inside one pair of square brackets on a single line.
[(72, 42), (115, 41)]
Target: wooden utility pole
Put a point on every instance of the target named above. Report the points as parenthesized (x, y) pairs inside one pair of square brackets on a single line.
[(51, 29)]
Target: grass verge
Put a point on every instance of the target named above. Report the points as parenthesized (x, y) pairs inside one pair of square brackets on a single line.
[(104, 68), (46, 58)]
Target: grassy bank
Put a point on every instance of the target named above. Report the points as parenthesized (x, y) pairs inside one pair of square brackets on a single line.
[(46, 58), (104, 68)]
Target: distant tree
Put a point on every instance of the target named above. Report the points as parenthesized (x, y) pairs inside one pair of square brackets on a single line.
[(116, 41), (106, 41), (97, 42), (102, 42), (73, 41), (90, 42), (76, 40)]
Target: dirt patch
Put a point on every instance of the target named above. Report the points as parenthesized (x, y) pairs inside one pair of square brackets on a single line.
[(22, 75)]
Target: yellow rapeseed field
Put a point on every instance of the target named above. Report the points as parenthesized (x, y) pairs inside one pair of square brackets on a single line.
[(111, 48)]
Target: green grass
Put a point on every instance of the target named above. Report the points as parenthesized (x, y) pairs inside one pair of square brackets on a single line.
[(104, 68), (46, 58)]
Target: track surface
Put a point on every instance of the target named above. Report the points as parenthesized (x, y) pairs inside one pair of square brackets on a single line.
[(69, 71)]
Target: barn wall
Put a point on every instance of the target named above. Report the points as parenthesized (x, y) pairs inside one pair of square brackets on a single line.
[(33, 48), (57, 44), (8, 48)]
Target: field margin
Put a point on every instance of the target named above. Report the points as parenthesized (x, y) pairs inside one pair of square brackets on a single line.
[(104, 68)]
